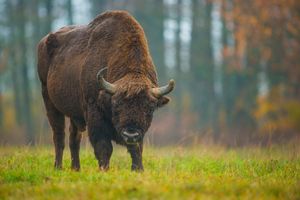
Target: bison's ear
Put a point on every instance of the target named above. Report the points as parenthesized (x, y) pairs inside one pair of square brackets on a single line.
[(162, 101)]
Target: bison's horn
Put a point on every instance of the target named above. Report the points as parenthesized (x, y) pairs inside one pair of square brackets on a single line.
[(110, 88), (161, 91)]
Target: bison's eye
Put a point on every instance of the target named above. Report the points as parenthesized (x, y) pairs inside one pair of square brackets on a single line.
[(116, 113)]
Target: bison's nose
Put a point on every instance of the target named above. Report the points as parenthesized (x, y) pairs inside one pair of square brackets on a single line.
[(131, 136)]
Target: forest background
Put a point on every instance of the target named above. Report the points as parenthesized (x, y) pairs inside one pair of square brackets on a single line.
[(236, 66)]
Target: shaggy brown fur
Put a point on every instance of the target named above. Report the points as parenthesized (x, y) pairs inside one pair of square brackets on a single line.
[(68, 61)]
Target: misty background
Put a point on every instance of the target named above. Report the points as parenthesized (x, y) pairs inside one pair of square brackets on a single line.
[(236, 65)]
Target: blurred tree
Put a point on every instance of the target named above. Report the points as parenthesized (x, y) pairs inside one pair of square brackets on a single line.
[(35, 19), (240, 73), (178, 68), (202, 64), (23, 63), (70, 11), (97, 7), (48, 5), (12, 61), (151, 15), (36, 34), (1, 110)]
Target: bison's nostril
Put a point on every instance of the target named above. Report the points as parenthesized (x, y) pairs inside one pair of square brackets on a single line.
[(130, 129), (131, 137)]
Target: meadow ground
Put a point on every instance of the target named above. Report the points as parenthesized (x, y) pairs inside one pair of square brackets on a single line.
[(170, 173)]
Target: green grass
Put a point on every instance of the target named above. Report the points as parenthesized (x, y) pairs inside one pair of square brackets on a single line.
[(170, 173)]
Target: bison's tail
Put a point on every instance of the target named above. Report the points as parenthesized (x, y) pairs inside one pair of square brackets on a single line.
[(45, 50)]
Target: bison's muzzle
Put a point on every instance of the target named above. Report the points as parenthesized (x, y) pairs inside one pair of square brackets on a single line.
[(131, 136)]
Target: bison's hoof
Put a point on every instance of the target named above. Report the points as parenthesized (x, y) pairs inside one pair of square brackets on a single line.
[(135, 168), (104, 168), (76, 169), (57, 167), (75, 166)]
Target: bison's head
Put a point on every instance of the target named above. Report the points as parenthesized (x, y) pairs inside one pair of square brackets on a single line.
[(133, 102)]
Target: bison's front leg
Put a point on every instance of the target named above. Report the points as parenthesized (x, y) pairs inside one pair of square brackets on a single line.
[(103, 150), (99, 135), (136, 152)]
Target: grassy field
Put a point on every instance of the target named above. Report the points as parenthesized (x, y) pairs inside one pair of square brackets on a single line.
[(170, 173)]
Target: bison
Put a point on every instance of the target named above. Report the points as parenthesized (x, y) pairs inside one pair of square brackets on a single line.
[(102, 77)]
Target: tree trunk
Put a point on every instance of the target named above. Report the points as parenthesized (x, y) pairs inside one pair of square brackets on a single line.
[(202, 63), (154, 30), (25, 85), (49, 17), (13, 64), (70, 11), (178, 71), (97, 7), (36, 24), (1, 110)]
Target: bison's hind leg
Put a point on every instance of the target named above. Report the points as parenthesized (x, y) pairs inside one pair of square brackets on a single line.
[(57, 123), (74, 143)]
